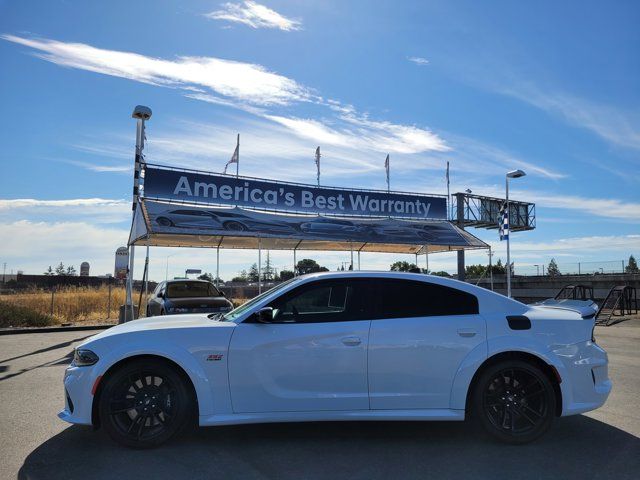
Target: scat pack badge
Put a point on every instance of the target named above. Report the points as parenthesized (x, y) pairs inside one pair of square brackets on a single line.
[(214, 357)]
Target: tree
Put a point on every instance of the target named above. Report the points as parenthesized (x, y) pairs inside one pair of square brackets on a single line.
[(307, 265), (402, 266), (441, 274), (552, 269), (71, 270), (49, 271), (60, 269), (499, 268), (252, 275), (476, 271), (268, 271), (286, 275), (632, 266), (206, 276)]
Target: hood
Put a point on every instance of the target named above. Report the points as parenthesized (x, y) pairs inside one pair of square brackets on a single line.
[(199, 302), (163, 323)]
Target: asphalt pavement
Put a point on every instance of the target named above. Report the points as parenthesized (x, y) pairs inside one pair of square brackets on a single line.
[(35, 444)]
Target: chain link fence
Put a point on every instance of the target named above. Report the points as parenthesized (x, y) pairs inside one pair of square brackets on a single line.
[(573, 268)]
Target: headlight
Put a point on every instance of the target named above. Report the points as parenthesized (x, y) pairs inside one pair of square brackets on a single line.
[(84, 358)]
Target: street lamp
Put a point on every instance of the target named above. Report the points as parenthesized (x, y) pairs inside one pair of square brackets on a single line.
[(537, 269), (511, 174), (166, 268)]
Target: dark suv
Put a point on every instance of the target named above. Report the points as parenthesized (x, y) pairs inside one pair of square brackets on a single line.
[(187, 296)]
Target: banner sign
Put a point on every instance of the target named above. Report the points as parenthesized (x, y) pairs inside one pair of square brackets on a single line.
[(198, 187), (167, 218)]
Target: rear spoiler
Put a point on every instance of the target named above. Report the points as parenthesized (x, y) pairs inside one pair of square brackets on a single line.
[(585, 312)]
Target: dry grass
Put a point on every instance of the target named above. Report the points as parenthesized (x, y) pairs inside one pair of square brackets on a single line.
[(77, 304), (72, 304)]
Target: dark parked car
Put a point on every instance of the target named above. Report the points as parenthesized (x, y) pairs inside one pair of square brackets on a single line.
[(187, 296)]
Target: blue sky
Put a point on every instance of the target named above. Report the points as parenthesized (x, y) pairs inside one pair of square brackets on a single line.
[(549, 87)]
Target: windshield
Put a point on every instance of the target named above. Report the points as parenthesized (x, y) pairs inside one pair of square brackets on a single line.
[(236, 313), (191, 289)]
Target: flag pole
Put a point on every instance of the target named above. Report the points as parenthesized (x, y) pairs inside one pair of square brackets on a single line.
[(318, 163), (238, 157), (450, 213), (387, 164)]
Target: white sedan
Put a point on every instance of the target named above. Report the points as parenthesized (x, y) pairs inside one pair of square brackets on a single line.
[(343, 346)]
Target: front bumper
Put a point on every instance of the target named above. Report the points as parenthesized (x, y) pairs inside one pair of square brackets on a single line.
[(78, 382), (585, 382)]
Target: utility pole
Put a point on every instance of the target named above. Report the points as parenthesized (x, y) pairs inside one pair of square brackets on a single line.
[(4, 271)]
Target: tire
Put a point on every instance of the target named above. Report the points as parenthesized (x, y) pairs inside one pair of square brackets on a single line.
[(145, 403), (164, 222), (514, 401), (235, 226)]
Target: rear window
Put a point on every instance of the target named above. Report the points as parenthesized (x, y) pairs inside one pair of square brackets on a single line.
[(406, 298), (191, 289)]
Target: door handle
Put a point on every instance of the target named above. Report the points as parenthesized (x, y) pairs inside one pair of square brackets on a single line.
[(351, 341), (467, 332)]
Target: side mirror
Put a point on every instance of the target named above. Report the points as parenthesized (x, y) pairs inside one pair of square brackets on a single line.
[(264, 315)]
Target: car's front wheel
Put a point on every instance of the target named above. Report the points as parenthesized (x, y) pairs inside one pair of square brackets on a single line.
[(514, 401), (144, 404)]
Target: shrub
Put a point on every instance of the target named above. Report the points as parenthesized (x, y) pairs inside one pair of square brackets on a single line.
[(18, 316)]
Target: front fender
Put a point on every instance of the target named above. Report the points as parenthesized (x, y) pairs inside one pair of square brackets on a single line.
[(176, 354)]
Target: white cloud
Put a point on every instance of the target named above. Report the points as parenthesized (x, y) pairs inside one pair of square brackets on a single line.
[(237, 80), (420, 61), (99, 210), (254, 15), (32, 246), (617, 126)]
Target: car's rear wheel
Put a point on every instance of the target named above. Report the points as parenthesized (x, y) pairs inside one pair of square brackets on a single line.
[(164, 222), (514, 401), (235, 226), (144, 404)]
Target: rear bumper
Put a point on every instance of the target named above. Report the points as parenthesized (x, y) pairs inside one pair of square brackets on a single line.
[(585, 384)]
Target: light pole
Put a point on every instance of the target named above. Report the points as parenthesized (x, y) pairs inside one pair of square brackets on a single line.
[(511, 174), (537, 270)]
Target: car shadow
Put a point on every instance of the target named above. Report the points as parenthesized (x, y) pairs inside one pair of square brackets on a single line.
[(576, 447)]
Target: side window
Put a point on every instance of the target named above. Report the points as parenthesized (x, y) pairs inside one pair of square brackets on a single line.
[(407, 298), (327, 301)]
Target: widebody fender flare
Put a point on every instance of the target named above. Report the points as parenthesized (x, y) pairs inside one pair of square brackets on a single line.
[(485, 351), (176, 354)]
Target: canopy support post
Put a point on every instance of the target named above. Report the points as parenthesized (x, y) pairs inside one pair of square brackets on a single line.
[(363, 245), (218, 262), (146, 278), (129, 300), (295, 264), (351, 246), (426, 256), (259, 265)]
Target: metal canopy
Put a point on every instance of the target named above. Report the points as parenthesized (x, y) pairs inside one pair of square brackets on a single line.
[(146, 230)]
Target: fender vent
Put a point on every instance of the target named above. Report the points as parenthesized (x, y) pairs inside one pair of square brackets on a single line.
[(518, 322)]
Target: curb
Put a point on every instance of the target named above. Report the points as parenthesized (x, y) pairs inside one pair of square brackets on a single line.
[(18, 331)]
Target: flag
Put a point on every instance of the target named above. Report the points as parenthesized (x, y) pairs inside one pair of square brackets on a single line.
[(504, 223), (235, 158), (386, 166), (318, 163)]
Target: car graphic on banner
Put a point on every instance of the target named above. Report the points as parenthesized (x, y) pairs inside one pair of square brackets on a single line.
[(196, 220)]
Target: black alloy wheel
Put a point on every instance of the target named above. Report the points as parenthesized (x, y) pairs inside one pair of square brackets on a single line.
[(144, 404), (164, 222), (514, 401), (235, 226)]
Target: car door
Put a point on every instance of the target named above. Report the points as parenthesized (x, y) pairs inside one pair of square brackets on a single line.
[(420, 334), (312, 357)]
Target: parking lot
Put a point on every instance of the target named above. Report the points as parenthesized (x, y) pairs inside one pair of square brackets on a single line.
[(36, 445)]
